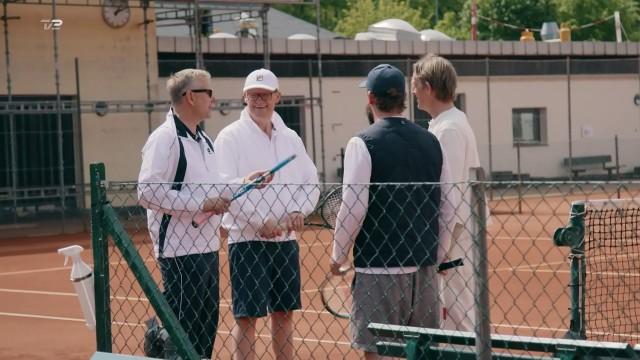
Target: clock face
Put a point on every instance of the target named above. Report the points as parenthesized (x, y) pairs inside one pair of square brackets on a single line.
[(116, 13)]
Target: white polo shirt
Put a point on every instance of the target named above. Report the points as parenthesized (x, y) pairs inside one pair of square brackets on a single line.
[(355, 202), (170, 211), (242, 147)]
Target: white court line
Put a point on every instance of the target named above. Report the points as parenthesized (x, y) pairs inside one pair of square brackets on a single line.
[(332, 342), (47, 317)]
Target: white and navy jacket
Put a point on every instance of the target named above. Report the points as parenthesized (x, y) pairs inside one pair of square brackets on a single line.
[(176, 166), (242, 147)]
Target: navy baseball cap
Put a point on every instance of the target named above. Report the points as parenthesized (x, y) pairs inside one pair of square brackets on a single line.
[(384, 80)]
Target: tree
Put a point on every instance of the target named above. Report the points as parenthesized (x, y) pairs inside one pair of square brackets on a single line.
[(359, 14), (495, 13), (581, 12)]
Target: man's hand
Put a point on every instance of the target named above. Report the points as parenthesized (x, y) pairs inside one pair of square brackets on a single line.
[(216, 205), (293, 221), (334, 267), (270, 229), (256, 174)]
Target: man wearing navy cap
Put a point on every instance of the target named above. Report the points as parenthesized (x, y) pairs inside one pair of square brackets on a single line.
[(397, 228)]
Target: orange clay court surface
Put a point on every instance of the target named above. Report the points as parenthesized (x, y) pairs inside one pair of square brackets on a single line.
[(40, 317)]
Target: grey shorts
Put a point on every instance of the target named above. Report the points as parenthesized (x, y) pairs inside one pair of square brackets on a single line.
[(405, 299)]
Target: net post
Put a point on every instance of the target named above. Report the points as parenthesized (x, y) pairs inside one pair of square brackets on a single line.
[(99, 243), (573, 236), (478, 211)]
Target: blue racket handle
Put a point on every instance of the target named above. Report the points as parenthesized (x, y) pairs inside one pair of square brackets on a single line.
[(257, 181)]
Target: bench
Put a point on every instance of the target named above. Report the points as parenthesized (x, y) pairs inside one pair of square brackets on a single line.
[(422, 343), (581, 164), (508, 176)]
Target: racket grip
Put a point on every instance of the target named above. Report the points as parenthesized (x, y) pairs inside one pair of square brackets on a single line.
[(200, 219)]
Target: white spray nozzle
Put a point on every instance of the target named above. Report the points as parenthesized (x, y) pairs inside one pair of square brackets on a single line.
[(72, 251)]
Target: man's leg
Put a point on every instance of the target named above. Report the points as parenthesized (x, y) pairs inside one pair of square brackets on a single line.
[(179, 290), (284, 296), (244, 338), (380, 298), (249, 289), (282, 334), (211, 301)]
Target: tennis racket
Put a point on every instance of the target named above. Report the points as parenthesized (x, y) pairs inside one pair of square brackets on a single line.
[(327, 210), (335, 292), (202, 217)]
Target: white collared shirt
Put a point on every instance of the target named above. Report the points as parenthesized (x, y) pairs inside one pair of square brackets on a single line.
[(355, 202), (242, 147)]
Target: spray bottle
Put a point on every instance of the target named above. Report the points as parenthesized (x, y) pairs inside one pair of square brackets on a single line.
[(82, 279)]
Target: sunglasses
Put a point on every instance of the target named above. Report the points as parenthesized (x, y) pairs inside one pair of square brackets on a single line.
[(208, 91)]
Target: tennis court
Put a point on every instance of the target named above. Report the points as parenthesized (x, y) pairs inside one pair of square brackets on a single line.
[(528, 277)]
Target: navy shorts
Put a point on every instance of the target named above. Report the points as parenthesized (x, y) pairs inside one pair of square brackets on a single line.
[(265, 277)]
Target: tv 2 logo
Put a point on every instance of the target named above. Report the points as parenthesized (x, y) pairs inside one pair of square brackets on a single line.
[(52, 24)]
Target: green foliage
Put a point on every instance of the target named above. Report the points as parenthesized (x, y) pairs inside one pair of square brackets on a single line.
[(353, 16), (581, 12), (359, 14)]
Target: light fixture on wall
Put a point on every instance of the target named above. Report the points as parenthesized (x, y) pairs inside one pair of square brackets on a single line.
[(636, 99)]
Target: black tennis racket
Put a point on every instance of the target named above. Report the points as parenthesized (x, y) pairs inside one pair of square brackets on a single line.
[(327, 210), (335, 292)]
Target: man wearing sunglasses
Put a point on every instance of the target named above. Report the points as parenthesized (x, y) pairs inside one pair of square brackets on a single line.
[(177, 161), (263, 251)]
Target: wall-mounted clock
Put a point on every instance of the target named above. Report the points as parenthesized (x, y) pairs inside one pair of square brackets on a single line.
[(116, 13)]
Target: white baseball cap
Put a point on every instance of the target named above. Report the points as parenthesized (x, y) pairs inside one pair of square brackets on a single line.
[(261, 79)]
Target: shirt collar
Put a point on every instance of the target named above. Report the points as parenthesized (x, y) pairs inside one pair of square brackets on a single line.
[(438, 119), (183, 130), (276, 120)]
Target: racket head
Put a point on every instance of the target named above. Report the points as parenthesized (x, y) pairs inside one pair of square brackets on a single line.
[(330, 205), (335, 292)]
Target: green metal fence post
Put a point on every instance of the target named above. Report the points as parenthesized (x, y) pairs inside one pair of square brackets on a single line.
[(100, 259), (573, 236)]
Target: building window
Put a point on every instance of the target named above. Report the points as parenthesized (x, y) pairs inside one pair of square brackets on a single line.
[(529, 126), (291, 110), (422, 118)]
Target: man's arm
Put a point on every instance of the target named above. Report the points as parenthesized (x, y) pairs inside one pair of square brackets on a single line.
[(449, 200), (355, 200)]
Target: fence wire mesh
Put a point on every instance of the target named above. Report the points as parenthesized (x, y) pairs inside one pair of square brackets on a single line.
[(530, 279)]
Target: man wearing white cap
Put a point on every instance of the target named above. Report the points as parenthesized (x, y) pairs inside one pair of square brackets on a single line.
[(263, 251)]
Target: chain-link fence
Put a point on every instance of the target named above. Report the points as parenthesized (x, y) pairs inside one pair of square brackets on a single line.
[(535, 288)]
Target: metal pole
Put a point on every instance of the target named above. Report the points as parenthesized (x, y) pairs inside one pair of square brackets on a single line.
[(487, 71), (265, 36), (323, 178), (59, 118), (145, 5), (519, 178), (198, 43), (312, 111), (615, 140), (474, 20), (569, 117), (77, 131), (12, 127), (412, 115), (480, 266)]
